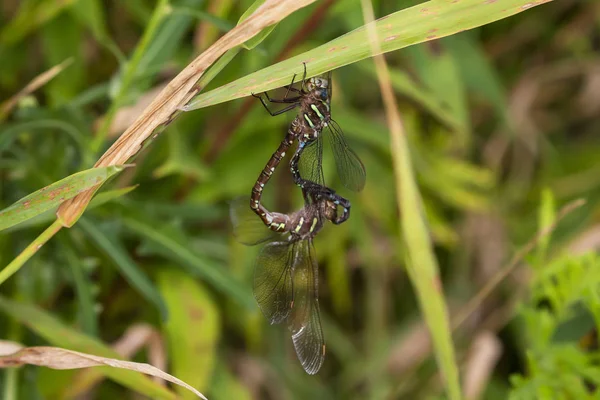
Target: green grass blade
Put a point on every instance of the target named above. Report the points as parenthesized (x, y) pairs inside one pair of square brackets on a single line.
[(128, 268), (421, 263), (175, 248), (405, 85), (50, 215), (130, 72), (478, 73), (30, 17), (427, 21), (29, 251), (86, 314), (256, 40), (91, 14), (168, 38), (192, 330), (60, 335), (9, 132), (59, 37), (52, 195), (222, 24)]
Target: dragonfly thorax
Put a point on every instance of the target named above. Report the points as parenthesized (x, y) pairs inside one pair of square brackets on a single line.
[(306, 223), (314, 105)]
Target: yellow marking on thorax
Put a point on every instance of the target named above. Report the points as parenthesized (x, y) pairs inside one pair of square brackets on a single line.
[(314, 223), (297, 229), (315, 109), (309, 121)]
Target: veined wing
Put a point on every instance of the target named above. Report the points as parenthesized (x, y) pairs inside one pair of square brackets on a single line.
[(350, 169), (311, 162), (273, 286), (305, 320), (248, 228)]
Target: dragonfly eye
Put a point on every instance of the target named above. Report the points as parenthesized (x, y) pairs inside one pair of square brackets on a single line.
[(324, 95)]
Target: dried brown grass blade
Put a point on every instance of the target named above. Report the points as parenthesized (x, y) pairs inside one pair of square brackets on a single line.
[(135, 338), (177, 93), (35, 84), (57, 358)]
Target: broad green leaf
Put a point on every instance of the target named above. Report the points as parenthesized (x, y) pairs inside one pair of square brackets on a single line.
[(58, 334), (52, 195), (192, 329), (427, 21), (128, 268)]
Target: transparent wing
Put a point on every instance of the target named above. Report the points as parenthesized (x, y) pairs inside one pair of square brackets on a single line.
[(311, 162), (350, 169), (305, 320), (273, 286), (248, 228)]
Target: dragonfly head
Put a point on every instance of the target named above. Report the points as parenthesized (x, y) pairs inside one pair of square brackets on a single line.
[(319, 88), (329, 210)]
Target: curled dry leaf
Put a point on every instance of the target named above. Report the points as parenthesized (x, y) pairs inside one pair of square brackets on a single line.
[(177, 93), (135, 338), (57, 358)]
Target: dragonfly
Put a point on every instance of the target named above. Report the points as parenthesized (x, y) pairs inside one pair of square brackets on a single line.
[(313, 99), (286, 271)]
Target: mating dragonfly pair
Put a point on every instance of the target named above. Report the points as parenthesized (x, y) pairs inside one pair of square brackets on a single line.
[(286, 272)]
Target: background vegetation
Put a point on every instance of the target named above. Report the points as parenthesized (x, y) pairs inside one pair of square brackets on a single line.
[(500, 123)]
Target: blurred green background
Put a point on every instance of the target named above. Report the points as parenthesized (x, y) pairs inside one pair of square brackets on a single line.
[(502, 125)]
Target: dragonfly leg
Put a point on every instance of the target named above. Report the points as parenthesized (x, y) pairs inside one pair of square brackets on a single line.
[(304, 77), (284, 100), (293, 89), (274, 113), (288, 87)]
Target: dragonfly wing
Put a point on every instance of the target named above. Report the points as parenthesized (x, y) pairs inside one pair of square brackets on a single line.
[(350, 169), (273, 286), (248, 228), (305, 320), (311, 162)]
